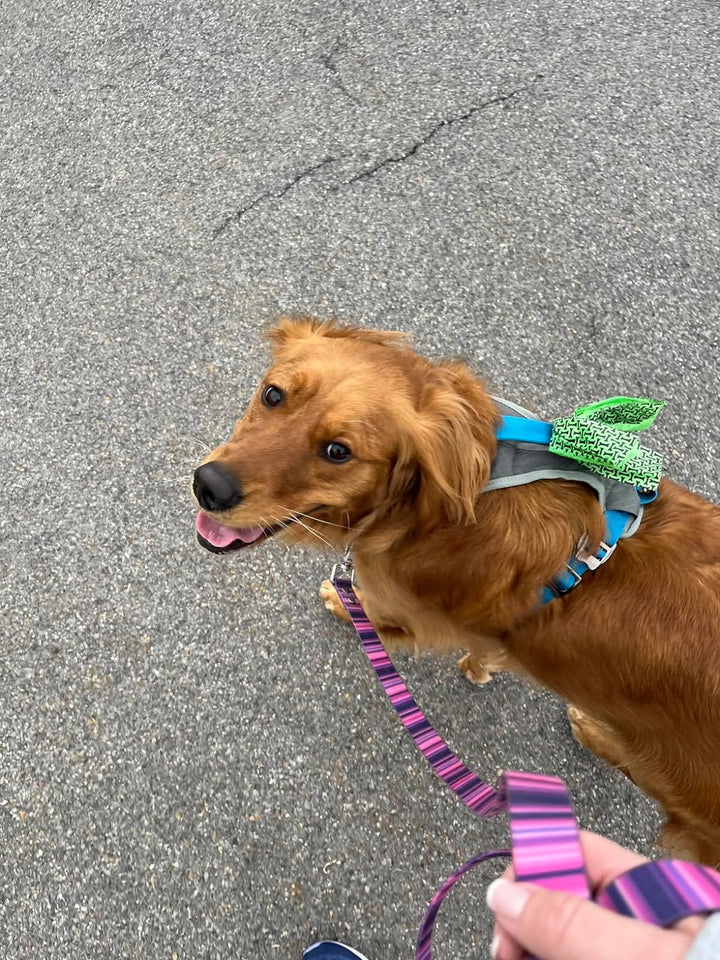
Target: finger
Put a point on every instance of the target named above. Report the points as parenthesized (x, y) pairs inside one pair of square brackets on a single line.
[(557, 926), (605, 860), (504, 947), (691, 926)]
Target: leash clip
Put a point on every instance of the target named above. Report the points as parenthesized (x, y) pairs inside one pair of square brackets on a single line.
[(347, 568)]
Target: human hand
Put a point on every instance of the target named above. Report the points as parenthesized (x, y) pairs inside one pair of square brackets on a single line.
[(558, 926)]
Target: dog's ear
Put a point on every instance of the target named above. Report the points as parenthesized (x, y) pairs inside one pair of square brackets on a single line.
[(449, 447), (292, 328), (287, 329)]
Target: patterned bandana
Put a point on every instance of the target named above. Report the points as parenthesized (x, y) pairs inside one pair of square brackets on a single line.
[(598, 436)]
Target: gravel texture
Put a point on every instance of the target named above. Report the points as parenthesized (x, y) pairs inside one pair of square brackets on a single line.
[(196, 762)]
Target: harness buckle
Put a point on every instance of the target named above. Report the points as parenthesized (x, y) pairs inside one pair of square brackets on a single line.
[(577, 577), (590, 560)]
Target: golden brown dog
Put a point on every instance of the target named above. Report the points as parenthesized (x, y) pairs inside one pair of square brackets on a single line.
[(355, 440)]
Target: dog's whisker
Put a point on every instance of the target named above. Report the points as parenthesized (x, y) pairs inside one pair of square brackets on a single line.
[(315, 533), (327, 523), (278, 522), (309, 516), (197, 441), (296, 517), (284, 524), (309, 530)]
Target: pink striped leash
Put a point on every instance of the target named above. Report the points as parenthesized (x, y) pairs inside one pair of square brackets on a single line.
[(544, 834)]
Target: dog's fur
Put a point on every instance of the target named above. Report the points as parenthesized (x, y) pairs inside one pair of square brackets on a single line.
[(635, 648)]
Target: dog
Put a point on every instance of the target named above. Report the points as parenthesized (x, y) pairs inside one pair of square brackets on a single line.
[(355, 441)]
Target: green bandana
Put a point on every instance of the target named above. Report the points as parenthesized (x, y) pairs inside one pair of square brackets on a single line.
[(597, 436)]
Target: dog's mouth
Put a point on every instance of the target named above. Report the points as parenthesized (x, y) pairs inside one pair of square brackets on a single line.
[(219, 538)]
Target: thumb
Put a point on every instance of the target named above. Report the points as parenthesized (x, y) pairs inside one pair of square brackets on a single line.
[(558, 926)]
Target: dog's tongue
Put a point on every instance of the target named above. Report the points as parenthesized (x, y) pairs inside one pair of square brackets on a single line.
[(221, 536)]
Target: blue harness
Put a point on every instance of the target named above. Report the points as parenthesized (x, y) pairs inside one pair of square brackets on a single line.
[(618, 523)]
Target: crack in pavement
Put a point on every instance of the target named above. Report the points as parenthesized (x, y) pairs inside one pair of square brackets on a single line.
[(441, 125), (271, 195), (376, 168), (328, 61)]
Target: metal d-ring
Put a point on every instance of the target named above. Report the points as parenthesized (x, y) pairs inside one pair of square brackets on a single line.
[(347, 566)]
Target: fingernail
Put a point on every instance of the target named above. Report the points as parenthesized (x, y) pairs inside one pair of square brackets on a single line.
[(506, 899), (494, 947)]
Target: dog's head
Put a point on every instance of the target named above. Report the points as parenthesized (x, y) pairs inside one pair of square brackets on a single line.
[(349, 432)]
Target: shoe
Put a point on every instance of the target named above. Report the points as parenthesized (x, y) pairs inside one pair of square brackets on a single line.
[(330, 950)]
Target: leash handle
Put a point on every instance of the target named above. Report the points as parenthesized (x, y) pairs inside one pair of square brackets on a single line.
[(546, 848), (663, 892), (545, 837)]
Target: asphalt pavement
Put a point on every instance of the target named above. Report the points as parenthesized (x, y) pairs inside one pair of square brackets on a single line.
[(195, 760)]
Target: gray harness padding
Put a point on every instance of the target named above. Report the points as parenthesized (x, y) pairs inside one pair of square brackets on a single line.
[(518, 463)]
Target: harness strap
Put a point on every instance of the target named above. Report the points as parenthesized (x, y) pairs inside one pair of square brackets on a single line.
[(616, 522), (546, 846), (524, 430)]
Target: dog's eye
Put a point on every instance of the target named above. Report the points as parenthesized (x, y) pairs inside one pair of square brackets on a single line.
[(336, 452), (272, 396)]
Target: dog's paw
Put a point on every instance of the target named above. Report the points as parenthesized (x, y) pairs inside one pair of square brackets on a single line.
[(587, 733), (333, 603), (474, 671), (578, 723)]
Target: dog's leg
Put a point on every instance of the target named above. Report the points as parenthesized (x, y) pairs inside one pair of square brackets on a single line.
[(394, 638), (686, 841), (681, 837), (679, 840), (478, 671), (486, 657), (333, 603), (397, 640), (597, 738)]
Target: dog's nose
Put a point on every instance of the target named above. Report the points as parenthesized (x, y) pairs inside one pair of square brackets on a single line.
[(216, 488)]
